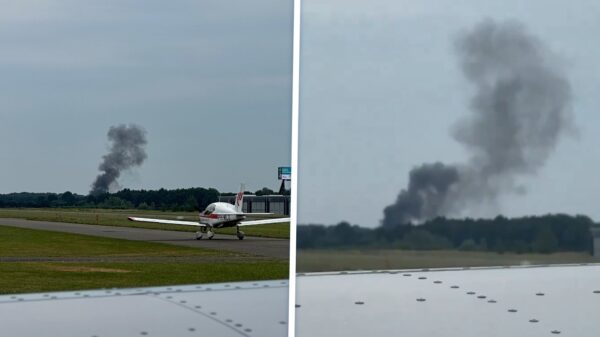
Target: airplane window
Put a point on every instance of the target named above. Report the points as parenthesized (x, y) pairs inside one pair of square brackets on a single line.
[(209, 210)]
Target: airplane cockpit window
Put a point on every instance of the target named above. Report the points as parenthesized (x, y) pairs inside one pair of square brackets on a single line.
[(209, 210)]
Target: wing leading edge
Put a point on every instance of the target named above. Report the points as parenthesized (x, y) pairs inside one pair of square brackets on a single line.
[(263, 222), (197, 224), (170, 222)]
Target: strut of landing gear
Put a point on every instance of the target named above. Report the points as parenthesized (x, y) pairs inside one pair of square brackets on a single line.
[(239, 233), (205, 230)]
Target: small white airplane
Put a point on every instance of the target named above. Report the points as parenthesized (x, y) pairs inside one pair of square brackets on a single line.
[(219, 215)]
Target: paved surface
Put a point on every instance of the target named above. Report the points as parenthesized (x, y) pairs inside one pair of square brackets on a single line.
[(275, 248)]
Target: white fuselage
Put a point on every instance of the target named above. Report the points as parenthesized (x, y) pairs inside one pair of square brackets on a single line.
[(221, 214)]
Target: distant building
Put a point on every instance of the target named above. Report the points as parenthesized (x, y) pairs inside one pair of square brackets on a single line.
[(277, 204), (596, 241)]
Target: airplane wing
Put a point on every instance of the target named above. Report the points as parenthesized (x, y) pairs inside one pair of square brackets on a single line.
[(170, 222), (533, 301), (222, 310), (263, 221)]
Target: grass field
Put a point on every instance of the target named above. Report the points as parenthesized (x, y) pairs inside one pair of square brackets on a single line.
[(36, 261), (335, 260), (109, 217)]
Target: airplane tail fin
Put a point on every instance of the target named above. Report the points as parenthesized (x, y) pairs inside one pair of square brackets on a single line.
[(239, 200)]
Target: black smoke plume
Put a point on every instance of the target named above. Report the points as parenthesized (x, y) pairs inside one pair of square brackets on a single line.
[(520, 110), (126, 151)]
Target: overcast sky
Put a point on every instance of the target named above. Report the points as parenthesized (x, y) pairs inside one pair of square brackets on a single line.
[(210, 81), (381, 88)]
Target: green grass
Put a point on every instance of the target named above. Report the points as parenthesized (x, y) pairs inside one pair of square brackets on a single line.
[(22, 242), (109, 217), (25, 277), (335, 260), (76, 262)]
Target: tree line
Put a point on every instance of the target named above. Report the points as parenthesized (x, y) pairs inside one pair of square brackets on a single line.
[(531, 234), (183, 199)]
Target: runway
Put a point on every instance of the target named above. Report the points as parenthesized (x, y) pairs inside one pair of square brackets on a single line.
[(268, 247)]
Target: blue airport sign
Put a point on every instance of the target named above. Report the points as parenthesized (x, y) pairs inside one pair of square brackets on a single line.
[(284, 173)]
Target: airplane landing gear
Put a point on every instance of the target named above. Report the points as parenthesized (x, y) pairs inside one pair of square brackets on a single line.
[(205, 230), (240, 234), (210, 234)]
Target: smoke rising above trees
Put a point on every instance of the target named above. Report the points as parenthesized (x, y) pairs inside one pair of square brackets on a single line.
[(518, 114), (127, 150)]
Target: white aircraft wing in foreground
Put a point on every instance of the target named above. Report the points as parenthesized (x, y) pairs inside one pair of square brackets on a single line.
[(490, 302), (215, 310)]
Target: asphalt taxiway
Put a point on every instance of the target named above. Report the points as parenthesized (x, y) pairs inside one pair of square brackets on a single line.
[(267, 247)]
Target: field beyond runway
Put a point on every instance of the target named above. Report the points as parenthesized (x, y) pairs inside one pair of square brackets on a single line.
[(258, 246), (318, 260)]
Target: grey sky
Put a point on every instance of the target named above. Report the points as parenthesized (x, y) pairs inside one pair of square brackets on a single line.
[(210, 81), (381, 88)]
